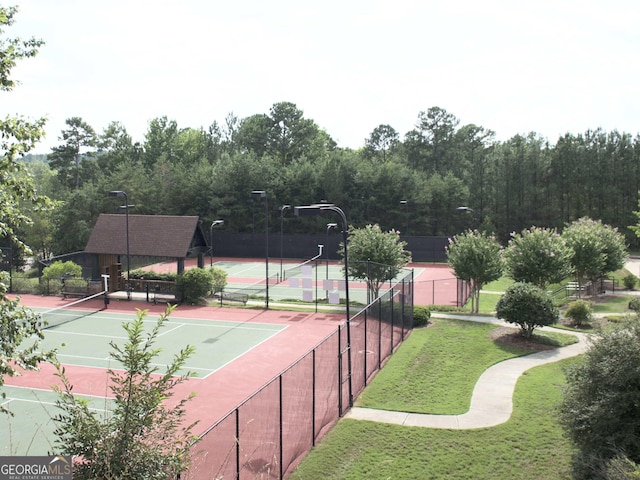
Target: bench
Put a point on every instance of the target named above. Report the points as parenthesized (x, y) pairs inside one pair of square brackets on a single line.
[(232, 297), (71, 291), (160, 297)]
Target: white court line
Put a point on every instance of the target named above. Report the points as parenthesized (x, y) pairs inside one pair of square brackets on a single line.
[(38, 389), (66, 332), (238, 326), (247, 269), (53, 404), (241, 354), (171, 330), (103, 359)]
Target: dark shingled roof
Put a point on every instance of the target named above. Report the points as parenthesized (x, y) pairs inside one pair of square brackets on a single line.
[(153, 235)]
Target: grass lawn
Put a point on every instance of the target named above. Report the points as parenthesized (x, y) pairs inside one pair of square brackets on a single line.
[(530, 445), (436, 368)]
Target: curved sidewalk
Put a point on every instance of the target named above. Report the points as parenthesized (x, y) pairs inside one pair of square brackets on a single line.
[(492, 398)]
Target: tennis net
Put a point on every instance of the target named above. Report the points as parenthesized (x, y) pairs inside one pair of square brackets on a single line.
[(74, 310), (300, 268)]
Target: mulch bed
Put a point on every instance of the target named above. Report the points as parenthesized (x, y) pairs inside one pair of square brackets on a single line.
[(512, 337)]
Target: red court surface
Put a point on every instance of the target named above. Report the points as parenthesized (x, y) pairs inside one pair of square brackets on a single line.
[(435, 284), (227, 387), (223, 390)]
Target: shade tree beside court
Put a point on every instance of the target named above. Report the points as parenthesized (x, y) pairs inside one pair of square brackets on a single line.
[(477, 259), (539, 256)]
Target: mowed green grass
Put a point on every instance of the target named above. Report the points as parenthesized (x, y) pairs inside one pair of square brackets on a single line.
[(436, 368), (531, 445)]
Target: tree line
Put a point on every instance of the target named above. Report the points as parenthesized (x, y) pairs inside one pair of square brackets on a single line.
[(412, 184)]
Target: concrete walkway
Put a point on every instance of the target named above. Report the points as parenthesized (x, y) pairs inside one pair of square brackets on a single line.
[(491, 401)]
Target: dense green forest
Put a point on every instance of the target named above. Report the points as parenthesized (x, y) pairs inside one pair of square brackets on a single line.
[(412, 182)]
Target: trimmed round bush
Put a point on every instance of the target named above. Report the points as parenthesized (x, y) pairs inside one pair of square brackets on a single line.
[(579, 312), (634, 304), (421, 316), (194, 285), (630, 281)]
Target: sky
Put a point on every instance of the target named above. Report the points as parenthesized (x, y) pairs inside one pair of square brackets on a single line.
[(511, 66)]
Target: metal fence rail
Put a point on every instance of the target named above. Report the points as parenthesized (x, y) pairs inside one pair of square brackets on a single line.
[(269, 433)]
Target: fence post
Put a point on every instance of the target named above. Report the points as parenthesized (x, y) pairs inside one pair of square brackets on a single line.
[(281, 421), (313, 398), (366, 315), (339, 371), (237, 444)]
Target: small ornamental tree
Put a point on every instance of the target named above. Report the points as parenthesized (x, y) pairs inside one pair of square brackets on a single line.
[(539, 256), (597, 249), (477, 259), (375, 256), (600, 409), (144, 435), (528, 306)]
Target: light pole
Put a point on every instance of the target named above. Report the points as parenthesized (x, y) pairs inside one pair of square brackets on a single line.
[(326, 242), (472, 212), (213, 224), (406, 215), (282, 210), (263, 194), (120, 193), (316, 209)]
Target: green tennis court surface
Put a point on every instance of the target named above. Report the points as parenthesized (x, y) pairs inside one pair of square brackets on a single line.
[(30, 430), (317, 280), (85, 342)]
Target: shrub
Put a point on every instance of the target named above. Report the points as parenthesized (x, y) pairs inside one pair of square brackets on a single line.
[(600, 409), (630, 281), (151, 275), (59, 269), (194, 284), (421, 316), (634, 304), (219, 278), (579, 312)]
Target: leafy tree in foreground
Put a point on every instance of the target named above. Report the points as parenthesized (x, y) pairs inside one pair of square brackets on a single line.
[(17, 137), (477, 259), (144, 436), (528, 306), (375, 256), (539, 256), (20, 335), (20, 329), (600, 408)]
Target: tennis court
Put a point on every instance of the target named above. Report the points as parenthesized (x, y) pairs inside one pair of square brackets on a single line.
[(298, 281), (235, 352)]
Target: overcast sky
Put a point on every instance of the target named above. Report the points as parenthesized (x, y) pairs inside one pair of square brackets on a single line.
[(512, 66)]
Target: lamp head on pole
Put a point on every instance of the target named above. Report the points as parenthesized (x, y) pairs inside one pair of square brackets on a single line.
[(315, 209), (117, 193), (259, 193), (217, 222)]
